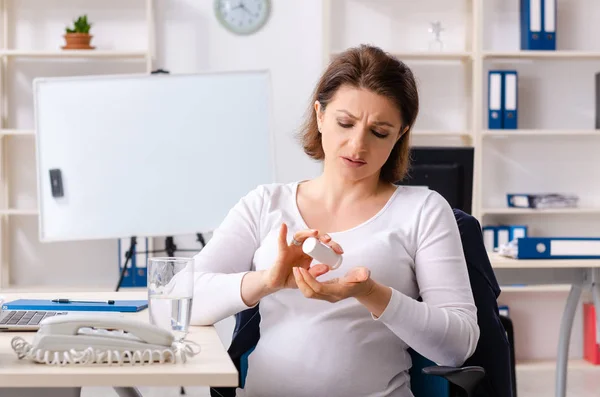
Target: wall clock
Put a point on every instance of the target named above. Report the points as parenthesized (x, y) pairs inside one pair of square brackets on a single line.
[(242, 17)]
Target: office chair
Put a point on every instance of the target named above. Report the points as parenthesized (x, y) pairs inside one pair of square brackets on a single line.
[(510, 333), (487, 373)]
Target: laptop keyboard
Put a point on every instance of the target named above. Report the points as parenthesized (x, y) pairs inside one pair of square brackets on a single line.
[(25, 317)]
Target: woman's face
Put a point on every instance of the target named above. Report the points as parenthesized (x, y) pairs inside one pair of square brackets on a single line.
[(359, 130)]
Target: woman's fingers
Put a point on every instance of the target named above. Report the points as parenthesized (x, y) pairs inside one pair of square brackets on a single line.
[(282, 240), (325, 238), (311, 281), (302, 235), (302, 285), (318, 270)]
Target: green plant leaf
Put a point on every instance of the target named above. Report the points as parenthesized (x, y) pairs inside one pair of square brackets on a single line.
[(80, 25)]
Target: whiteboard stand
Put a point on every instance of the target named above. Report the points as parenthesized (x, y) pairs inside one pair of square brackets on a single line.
[(170, 249)]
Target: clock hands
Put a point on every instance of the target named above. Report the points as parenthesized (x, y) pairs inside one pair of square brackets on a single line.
[(243, 7)]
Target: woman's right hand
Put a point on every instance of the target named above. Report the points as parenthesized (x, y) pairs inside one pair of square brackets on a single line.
[(280, 275)]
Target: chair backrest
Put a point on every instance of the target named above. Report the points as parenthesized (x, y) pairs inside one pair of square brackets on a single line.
[(492, 352), (493, 349)]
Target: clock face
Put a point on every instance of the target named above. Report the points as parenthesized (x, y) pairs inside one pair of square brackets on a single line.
[(242, 16)]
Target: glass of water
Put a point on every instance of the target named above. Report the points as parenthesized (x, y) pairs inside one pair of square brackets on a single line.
[(170, 293)]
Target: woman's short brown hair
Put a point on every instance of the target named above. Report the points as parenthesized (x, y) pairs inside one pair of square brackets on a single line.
[(370, 68)]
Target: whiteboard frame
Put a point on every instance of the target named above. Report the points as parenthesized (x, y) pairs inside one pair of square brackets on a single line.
[(112, 77)]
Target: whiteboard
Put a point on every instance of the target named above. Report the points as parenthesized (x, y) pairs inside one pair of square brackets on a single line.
[(149, 155)]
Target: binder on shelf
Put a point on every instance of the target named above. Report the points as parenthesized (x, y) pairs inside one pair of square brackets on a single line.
[(510, 94), (495, 102), (517, 231), (549, 31), (531, 24), (597, 92), (558, 248), (495, 236), (489, 238), (502, 235), (136, 275), (541, 200)]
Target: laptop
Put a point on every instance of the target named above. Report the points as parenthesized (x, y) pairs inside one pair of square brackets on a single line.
[(29, 320)]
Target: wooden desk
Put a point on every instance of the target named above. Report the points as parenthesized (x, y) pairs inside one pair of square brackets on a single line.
[(212, 367), (579, 274), (502, 262)]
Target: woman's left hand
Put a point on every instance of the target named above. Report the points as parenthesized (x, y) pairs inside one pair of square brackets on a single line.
[(356, 283)]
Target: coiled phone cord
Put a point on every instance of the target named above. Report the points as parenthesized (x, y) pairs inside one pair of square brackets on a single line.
[(183, 349)]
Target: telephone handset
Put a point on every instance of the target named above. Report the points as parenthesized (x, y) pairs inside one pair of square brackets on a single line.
[(86, 339)]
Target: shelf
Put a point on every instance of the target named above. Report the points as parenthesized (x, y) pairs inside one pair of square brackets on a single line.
[(19, 212), (74, 54), (550, 365), (541, 211), (536, 288), (568, 55), (14, 132), (502, 262), (429, 56), (526, 133), (69, 288)]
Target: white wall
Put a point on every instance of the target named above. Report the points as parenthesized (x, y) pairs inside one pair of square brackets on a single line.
[(188, 40)]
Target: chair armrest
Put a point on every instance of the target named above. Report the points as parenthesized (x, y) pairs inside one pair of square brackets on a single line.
[(465, 377)]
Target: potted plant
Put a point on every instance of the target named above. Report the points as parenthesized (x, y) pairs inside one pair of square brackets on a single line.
[(78, 37)]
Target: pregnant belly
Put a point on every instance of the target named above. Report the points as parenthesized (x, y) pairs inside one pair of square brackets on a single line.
[(309, 360)]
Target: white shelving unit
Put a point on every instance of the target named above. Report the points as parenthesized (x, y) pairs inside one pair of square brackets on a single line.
[(10, 57), (556, 116)]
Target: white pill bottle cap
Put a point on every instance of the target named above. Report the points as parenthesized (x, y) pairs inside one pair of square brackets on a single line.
[(322, 253)]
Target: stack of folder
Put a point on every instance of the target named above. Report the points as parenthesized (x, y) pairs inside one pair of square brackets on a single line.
[(538, 24), (502, 99), (542, 200), (496, 236)]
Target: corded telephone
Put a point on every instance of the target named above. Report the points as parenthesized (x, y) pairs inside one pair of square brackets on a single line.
[(87, 339)]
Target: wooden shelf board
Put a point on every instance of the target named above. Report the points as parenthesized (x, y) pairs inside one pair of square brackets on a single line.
[(536, 288), (13, 211), (69, 288), (17, 132), (501, 262), (74, 53)]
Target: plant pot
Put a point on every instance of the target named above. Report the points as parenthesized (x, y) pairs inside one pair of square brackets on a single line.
[(78, 41)]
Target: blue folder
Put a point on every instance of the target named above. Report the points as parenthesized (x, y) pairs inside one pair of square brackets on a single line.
[(48, 305), (495, 99), (517, 231), (558, 248), (531, 24), (510, 91), (549, 25)]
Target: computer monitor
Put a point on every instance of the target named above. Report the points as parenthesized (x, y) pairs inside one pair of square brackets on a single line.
[(447, 170)]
